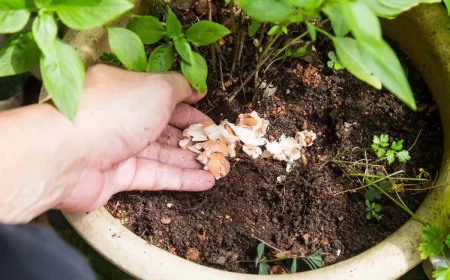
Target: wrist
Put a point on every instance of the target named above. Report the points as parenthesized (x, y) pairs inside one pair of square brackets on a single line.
[(37, 145)]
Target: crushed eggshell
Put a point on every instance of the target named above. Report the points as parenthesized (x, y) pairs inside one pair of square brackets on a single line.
[(214, 142)]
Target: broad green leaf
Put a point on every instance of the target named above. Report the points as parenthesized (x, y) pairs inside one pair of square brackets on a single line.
[(263, 269), (63, 76), (128, 48), (260, 250), (196, 72), (274, 30), (86, 14), (392, 8), (173, 25), (334, 12), (441, 273), (330, 64), (390, 156), (18, 55), (161, 59), (148, 28), (183, 49), (14, 15), (267, 10), (42, 3), (348, 51), (363, 23), (44, 32), (447, 4), (284, 29), (397, 145), (431, 244), (403, 156), (253, 28), (294, 266), (384, 64), (305, 4), (206, 32), (311, 30)]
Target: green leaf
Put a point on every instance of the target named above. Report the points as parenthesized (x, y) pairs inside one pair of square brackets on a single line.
[(267, 10), (330, 64), (377, 207), (274, 30), (447, 240), (196, 72), (253, 28), (369, 215), (128, 48), (390, 156), (363, 23), (284, 29), (260, 250), (173, 25), (334, 12), (18, 55), (385, 185), (206, 32), (86, 14), (447, 4), (110, 57), (403, 156), (397, 145), (294, 266), (263, 269), (392, 8), (148, 28), (383, 62), (63, 76), (348, 51), (375, 215), (384, 140), (441, 273), (431, 244), (311, 30), (14, 15), (314, 260), (368, 204), (42, 3), (184, 49), (45, 30), (161, 59), (372, 194)]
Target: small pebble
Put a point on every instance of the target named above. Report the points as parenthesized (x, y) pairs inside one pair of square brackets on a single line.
[(288, 91), (169, 205), (165, 220)]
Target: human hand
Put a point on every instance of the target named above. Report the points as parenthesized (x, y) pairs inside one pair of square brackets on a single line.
[(135, 121), (125, 137)]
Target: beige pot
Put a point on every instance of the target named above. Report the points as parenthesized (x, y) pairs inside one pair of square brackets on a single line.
[(423, 34)]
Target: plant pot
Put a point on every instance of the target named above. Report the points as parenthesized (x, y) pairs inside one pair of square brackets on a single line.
[(423, 35)]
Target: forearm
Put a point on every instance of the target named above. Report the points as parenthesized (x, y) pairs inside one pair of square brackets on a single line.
[(36, 148)]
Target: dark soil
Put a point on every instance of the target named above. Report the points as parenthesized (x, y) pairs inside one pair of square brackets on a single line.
[(300, 214)]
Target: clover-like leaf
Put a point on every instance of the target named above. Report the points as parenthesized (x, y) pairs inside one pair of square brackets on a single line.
[(431, 244)]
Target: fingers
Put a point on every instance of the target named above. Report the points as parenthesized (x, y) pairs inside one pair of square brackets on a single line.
[(184, 115), (182, 91), (154, 176), (170, 136), (171, 156)]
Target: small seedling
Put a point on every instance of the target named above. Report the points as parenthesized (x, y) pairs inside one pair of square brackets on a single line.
[(334, 62), (372, 210), (373, 193), (314, 261), (432, 246), (380, 144)]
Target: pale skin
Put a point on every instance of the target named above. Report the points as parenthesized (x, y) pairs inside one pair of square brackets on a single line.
[(125, 137)]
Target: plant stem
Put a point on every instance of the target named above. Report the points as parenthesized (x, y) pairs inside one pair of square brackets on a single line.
[(445, 258), (404, 207), (397, 178), (233, 20), (415, 141), (266, 49), (261, 34)]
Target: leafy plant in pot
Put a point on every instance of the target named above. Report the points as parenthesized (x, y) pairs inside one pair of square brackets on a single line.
[(83, 221)]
